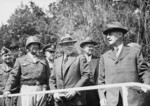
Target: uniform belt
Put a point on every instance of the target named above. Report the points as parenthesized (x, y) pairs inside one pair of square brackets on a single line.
[(32, 83)]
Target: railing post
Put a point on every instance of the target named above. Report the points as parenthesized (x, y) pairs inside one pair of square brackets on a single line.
[(125, 95)]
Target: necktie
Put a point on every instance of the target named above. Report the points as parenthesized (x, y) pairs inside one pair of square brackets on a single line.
[(116, 51), (65, 59), (63, 65)]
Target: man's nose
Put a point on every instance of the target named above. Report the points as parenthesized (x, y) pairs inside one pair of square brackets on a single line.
[(108, 36), (69, 45)]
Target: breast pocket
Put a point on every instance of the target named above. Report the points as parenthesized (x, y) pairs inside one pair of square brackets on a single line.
[(25, 68)]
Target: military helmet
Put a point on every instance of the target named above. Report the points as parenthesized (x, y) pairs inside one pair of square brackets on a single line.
[(31, 40)]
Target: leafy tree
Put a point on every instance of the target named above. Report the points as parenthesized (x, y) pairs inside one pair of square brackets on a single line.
[(26, 21), (80, 18)]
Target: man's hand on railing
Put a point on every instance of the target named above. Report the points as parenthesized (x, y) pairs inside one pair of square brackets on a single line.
[(140, 89), (144, 90), (49, 97), (6, 93), (57, 97), (70, 95), (103, 102)]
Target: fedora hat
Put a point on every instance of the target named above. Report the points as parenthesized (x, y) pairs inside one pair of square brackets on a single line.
[(66, 39), (115, 26), (49, 47), (88, 40)]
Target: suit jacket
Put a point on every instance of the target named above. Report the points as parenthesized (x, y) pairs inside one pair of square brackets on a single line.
[(122, 69), (94, 70), (74, 74), (92, 95)]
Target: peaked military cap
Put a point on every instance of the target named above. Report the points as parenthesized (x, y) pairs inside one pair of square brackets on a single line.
[(49, 47)]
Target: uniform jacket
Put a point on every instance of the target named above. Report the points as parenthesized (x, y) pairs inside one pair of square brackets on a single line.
[(4, 74), (122, 69), (74, 74), (30, 73), (49, 68)]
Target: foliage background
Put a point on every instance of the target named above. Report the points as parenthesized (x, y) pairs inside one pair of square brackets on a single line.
[(80, 18)]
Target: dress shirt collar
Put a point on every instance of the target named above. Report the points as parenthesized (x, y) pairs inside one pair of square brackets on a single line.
[(88, 57), (119, 49)]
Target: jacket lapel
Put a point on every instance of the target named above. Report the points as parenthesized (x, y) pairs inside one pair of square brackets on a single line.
[(59, 65), (2, 67), (71, 59), (28, 59), (112, 55), (93, 64), (124, 52), (5, 68)]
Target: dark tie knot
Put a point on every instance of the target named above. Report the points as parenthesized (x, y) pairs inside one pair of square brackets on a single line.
[(116, 49), (89, 55)]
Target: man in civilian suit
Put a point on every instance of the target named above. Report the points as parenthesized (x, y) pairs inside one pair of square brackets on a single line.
[(92, 96), (121, 64), (70, 70)]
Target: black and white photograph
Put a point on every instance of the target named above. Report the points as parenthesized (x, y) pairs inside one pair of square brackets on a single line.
[(74, 52)]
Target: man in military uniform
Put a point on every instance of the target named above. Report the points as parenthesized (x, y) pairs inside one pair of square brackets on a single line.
[(87, 45), (33, 74), (49, 52), (70, 70), (5, 69)]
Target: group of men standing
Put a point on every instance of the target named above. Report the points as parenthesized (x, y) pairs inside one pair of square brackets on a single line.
[(34, 73)]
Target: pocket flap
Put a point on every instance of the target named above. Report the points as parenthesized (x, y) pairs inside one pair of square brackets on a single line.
[(25, 64)]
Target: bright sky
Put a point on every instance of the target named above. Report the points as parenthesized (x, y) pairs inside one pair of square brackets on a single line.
[(7, 7)]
